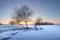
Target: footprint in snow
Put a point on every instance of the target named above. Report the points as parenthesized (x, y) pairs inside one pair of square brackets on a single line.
[(6, 38)]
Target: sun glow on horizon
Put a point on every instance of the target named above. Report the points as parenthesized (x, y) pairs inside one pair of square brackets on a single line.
[(28, 22)]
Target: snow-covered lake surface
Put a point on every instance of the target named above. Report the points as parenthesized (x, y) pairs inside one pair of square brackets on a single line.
[(49, 32)]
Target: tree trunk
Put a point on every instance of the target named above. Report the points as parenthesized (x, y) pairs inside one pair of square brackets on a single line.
[(35, 26), (26, 23)]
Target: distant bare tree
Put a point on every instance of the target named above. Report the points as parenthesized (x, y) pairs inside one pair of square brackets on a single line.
[(12, 22), (22, 13), (0, 23), (38, 22)]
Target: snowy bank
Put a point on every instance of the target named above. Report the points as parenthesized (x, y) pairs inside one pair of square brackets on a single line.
[(49, 32)]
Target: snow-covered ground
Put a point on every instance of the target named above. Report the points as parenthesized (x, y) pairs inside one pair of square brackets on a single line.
[(4, 28), (49, 32)]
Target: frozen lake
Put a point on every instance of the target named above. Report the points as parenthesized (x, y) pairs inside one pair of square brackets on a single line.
[(49, 32)]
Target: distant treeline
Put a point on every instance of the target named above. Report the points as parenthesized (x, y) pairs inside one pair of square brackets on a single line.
[(36, 23), (44, 23)]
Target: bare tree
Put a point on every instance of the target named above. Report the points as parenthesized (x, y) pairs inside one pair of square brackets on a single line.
[(22, 13), (38, 22)]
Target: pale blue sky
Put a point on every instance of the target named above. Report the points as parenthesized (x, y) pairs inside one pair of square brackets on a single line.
[(49, 10)]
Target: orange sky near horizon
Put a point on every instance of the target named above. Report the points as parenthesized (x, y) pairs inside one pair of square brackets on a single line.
[(20, 23), (32, 22)]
